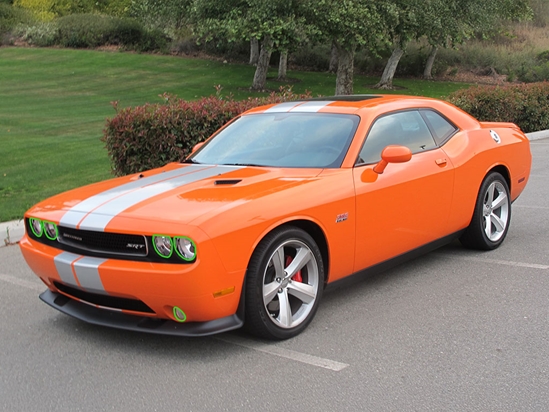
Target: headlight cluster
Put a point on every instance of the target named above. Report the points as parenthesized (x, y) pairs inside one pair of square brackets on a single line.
[(43, 227), (183, 246)]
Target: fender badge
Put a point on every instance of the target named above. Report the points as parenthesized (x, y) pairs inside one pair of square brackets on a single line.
[(342, 217), (495, 136)]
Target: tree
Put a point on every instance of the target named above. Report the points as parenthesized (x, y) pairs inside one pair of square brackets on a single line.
[(402, 27), (274, 24), (444, 23), (349, 24), (170, 16)]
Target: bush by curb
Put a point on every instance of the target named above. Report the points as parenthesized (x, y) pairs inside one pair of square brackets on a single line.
[(526, 105), (149, 136)]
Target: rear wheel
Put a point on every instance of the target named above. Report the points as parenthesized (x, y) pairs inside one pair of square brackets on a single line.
[(492, 215), (284, 284)]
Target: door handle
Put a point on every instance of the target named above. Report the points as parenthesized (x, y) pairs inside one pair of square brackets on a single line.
[(441, 162)]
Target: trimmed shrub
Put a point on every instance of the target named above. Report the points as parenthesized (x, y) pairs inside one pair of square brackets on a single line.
[(149, 136), (537, 72), (12, 16), (526, 105), (41, 9), (41, 34), (84, 30), (93, 30)]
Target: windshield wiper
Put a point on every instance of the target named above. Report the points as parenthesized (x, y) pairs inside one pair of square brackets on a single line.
[(242, 164), (191, 161)]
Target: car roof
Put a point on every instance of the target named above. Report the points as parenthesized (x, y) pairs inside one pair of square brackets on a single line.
[(345, 104)]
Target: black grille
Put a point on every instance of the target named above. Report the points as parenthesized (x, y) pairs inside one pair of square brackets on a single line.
[(104, 242), (104, 300)]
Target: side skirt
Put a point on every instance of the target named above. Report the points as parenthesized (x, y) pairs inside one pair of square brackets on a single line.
[(391, 263)]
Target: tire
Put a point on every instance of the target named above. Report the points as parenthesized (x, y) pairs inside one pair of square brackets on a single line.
[(492, 215), (284, 284)]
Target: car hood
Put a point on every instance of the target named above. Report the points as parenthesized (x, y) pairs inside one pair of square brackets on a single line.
[(177, 193)]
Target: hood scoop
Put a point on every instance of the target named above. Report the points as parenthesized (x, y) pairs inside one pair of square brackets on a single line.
[(226, 182)]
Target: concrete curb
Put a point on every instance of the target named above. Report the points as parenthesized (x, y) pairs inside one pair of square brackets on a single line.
[(12, 232), (543, 134)]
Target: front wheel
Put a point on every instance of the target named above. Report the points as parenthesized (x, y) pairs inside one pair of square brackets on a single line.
[(284, 284), (492, 215)]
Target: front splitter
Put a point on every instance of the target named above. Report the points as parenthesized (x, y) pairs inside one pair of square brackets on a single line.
[(119, 320)]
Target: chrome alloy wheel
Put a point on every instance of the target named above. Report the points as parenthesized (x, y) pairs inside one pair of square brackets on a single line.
[(495, 211), (290, 284)]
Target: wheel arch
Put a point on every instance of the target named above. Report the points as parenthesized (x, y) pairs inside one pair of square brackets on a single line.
[(502, 170), (316, 232)]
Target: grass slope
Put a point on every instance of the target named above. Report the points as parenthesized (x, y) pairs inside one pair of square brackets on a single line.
[(54, 102)]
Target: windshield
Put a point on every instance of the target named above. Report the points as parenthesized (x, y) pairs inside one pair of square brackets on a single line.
[(318, 140)]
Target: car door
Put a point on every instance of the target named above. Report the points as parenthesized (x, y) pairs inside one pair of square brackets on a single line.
[(407, 205)]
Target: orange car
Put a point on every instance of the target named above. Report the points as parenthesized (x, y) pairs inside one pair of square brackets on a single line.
[(281, 202)]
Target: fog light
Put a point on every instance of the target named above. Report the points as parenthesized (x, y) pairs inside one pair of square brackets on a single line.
[(50, 229), (163, 245), (179, 315), (36, 227), (185, 248)]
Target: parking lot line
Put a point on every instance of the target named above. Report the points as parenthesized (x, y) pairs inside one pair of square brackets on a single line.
[(532, 207), (21, 282), (272, 349), (496, 261)]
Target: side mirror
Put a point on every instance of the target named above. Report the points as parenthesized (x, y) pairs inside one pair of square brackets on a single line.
[(393, 154), (197, 146)]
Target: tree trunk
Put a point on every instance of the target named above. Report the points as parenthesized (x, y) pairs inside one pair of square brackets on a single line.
[(386, 81), (254, 51), (428, 72), (283, 65), (345, 71), (334, 58), (260, 77)]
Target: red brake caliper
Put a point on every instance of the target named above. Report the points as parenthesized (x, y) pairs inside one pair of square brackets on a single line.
[(297, 277)]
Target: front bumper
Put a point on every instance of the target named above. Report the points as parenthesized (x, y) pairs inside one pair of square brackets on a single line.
[(127, 291), (120, 320)]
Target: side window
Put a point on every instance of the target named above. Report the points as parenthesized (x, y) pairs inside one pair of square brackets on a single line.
[(441, 127), (405, 128)]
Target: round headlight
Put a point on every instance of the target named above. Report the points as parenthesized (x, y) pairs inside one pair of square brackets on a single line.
[(163, 245), (185, 248), (51, 230), (36, 227)]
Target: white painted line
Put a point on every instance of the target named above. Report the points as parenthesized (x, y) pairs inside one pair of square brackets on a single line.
[(38, 287), (498, 262), (272, 349), (532, 207)]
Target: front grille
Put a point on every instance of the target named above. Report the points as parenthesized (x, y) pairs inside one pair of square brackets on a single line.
[(107, 245), (104, 300), (104, 242)]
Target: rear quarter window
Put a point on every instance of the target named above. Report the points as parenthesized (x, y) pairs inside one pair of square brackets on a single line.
[(442, 128)]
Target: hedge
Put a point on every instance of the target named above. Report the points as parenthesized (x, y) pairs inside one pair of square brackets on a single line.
[(149, 136), (94, 30), (526, 105)]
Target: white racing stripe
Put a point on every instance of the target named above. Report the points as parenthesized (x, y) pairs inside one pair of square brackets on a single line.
[(305, 107), (71, 267), (272, 349), (87, 273), (96, 212), (36, 286), (75, 214), (310, 107), (283, 107), (63, 264)]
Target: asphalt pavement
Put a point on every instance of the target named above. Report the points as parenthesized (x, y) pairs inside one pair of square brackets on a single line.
[(454, 330)]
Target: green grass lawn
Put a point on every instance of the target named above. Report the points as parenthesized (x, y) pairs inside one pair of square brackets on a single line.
[(54, 102)]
